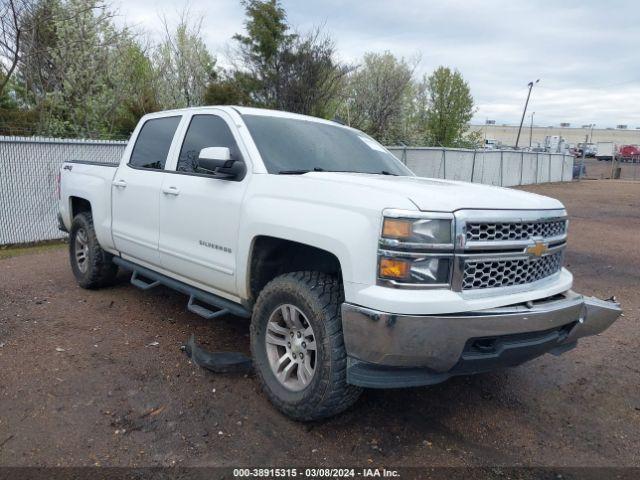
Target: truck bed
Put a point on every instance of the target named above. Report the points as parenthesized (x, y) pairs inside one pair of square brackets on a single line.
[(84, 179)]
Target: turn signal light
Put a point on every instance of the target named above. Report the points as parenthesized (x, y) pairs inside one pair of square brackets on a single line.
[(396, 228), (396, 269)]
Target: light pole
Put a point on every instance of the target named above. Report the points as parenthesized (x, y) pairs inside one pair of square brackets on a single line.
[(524, 112), (531, 129)]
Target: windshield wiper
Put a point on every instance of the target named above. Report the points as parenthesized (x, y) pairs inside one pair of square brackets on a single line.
[(300, 172), (385, 172)]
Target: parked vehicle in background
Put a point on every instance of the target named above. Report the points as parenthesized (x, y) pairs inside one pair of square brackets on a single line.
[(605, 151), (537, 147), (556, 144), (491, 144), (589, 149), (355, 272), (629, 153)]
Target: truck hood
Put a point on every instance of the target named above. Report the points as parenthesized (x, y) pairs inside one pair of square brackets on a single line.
[(430, 194)]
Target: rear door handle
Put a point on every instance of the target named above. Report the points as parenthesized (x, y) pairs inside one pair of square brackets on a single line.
[(119, 183), (170, 190)]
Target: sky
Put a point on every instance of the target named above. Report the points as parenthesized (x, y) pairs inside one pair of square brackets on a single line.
[(585, 53)]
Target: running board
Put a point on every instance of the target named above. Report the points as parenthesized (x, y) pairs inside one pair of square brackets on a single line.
[(136, 281), (223, 305), (203, 311)]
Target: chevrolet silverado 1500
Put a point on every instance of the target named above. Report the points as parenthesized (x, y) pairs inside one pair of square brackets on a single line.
[(355, 272)]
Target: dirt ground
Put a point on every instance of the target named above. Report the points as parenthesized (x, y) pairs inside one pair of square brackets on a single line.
[(82, 381)]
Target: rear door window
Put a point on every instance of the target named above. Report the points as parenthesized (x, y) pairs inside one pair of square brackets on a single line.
[(153, 143)]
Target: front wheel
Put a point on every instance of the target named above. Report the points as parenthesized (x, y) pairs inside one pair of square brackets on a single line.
[(297, 346)]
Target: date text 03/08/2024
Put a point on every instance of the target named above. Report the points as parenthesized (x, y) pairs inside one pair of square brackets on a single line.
[(315, 472)]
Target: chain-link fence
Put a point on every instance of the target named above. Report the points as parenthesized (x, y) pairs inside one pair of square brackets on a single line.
[(28, 169), (29, 165), (598, 169), (506, 168)]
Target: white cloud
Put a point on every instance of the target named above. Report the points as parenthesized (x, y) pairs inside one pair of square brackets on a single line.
[(585, 52)]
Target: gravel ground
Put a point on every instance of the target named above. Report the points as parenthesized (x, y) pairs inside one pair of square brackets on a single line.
[(98, 378)]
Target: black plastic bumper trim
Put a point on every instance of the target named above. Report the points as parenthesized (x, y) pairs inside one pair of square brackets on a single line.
[(508, 351)]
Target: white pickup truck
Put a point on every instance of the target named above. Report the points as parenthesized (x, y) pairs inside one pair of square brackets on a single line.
[(355, 272)]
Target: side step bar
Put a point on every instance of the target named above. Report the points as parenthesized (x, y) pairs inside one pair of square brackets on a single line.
[(203, 311), (136, 281), (147, 279)]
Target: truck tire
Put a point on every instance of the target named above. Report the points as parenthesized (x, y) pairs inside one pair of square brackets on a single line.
[(91, 265), (297, 346)]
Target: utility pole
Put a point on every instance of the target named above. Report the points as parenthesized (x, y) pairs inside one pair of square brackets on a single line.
[(531, 129), (524, 112), (584, 156), (591, 132), (486, 122)]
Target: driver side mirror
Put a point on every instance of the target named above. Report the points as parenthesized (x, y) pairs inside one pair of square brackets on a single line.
[(213, 158)]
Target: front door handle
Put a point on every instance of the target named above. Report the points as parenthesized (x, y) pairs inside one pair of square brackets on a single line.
[(119, 183), (170, 190)]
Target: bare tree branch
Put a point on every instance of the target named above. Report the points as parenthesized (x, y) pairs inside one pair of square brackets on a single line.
[(11, 33)]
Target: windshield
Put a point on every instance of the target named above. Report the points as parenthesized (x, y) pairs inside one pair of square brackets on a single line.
[(297, 146)]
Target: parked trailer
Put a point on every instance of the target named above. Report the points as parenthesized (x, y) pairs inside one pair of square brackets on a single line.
[(629, 153), (606, 151)]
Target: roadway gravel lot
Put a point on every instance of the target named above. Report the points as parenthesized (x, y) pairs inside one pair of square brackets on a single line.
[(83, 381)]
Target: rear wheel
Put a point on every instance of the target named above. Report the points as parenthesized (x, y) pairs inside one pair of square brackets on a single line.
[(297, 346), (91, 265)]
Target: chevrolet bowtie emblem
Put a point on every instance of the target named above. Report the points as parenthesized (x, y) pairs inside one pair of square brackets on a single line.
[(538, 249)]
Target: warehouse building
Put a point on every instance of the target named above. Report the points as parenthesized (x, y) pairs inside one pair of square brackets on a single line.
[(506, 134)]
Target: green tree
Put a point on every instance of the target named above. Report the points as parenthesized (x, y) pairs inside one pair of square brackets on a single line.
[(377, 98), (15, 24), (310, 76), (37, 73), (226, 91), (79, 71), (15, 119), (267, 35), (139, 93), (284, 70), (184, 67), (450, 108), (90, 71)]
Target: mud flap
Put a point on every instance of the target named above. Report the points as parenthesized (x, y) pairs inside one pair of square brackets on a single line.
[(218, 362)]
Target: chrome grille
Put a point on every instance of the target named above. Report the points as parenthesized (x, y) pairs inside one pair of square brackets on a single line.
[(499, 231), (483, 273)]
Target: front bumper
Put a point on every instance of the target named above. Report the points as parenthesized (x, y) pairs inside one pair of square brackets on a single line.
[(387, 350)]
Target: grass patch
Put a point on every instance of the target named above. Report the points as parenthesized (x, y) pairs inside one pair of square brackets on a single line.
[(9, 251)]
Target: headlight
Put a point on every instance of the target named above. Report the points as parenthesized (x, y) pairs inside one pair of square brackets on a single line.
[(425, 231), (431, 271), (416, 249)]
